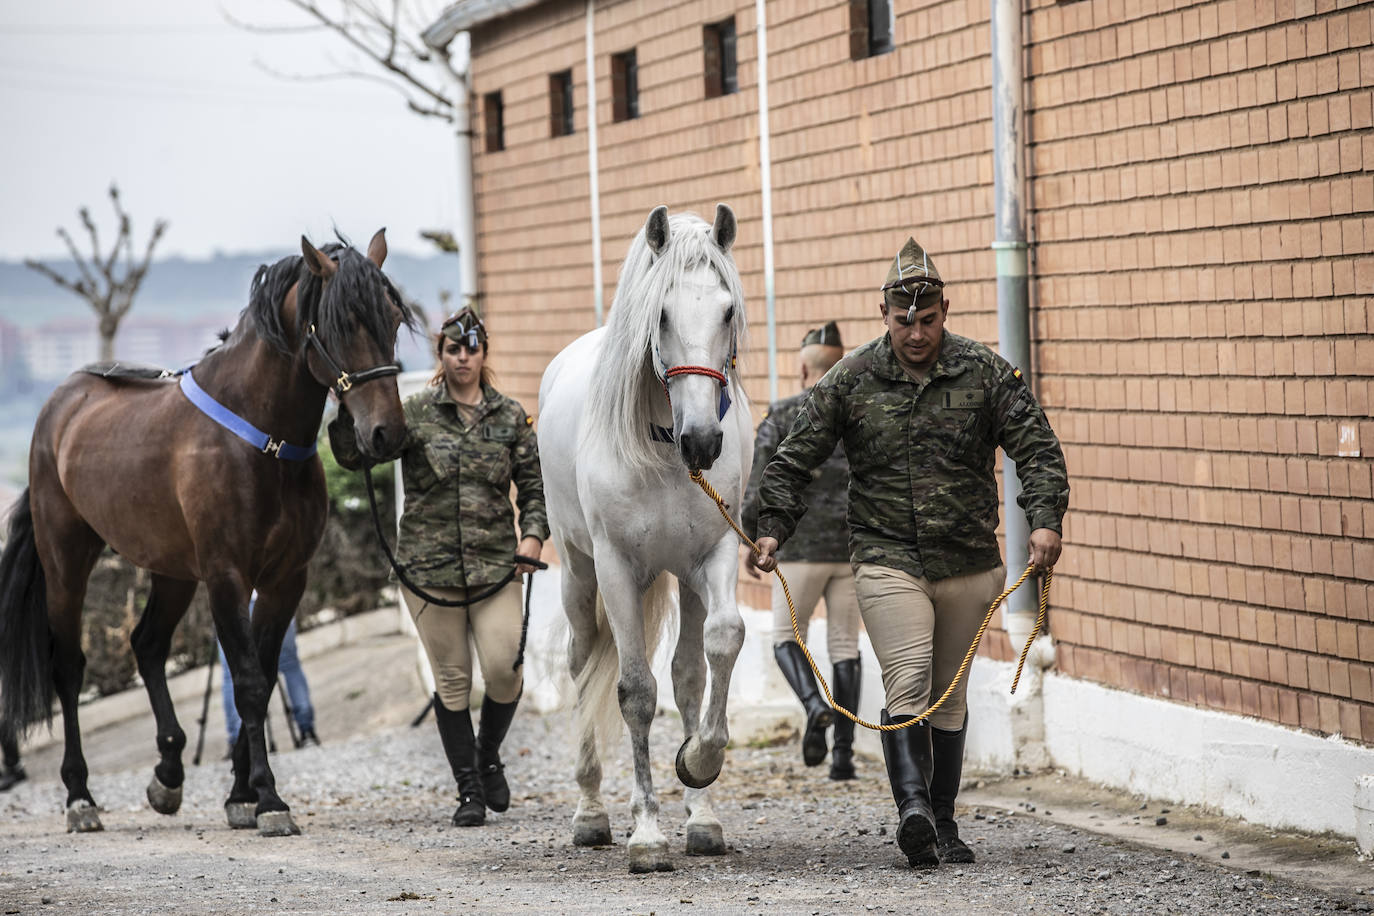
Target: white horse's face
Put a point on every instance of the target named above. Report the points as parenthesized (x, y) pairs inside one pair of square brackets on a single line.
[(695, 330)]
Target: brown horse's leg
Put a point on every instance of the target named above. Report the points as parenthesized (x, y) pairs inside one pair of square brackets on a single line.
[(256, 658), (69, 549), (152, 641)]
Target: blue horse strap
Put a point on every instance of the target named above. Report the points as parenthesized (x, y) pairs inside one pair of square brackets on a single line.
[(239, 426)]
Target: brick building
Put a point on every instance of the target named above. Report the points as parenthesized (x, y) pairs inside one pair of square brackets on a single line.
[(1200, 187)]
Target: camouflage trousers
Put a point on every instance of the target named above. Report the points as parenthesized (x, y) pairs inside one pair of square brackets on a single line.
[(450, 634), (921, 631), (809, 582)]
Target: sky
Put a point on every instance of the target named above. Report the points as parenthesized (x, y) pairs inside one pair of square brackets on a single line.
[(178, 106)]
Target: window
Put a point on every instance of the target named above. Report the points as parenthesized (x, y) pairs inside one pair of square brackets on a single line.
[(494, 122), (624, 86), (870, 28), (718, 48), (560, 104)]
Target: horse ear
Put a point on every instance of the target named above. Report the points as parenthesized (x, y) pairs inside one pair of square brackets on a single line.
[(316, 261), (656, 230), (376, 249), (723, 232)]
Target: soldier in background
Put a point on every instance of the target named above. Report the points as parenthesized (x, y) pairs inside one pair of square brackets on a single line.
[(816, 564), (466, 443), (921, 413)]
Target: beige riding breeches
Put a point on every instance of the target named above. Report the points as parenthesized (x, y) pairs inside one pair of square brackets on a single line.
[(450, 634), (808, 582), (921, 631)]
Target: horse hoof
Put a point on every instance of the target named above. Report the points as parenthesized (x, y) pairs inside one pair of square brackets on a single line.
[(83, 817), (241, 815), (644, 859), (685, 774), (277, 823), (705, 840), (593, 830), (164, 800)]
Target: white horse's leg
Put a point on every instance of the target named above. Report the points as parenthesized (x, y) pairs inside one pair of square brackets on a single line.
[(705, 836), (637, 689), (591, 823), (701, 756)]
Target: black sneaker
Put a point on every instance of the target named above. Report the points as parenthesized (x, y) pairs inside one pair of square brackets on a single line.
[(309, 738)]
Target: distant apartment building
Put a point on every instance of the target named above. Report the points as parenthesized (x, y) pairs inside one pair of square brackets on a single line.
[(55, 349)]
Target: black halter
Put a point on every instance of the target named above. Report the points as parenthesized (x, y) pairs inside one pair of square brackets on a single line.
[(343, 381)]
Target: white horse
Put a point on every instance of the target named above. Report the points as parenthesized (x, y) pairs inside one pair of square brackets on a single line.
[(616, 453)]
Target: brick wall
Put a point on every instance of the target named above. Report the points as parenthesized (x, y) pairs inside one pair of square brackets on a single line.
[(1202, 213), (1204, 216)]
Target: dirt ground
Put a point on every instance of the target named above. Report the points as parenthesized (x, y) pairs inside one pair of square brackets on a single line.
[(374, 804)]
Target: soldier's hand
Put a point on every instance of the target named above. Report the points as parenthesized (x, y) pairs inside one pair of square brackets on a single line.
[(1044, 548), (530, 546), (765, 559), (746, 567)]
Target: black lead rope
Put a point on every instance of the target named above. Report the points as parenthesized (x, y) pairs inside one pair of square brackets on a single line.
[(463, 602)]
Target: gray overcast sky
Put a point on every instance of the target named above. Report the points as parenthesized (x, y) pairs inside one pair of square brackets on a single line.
[(163, 98)]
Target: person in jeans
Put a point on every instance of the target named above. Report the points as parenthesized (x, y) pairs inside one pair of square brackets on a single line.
[(297, 689), (816, 564)]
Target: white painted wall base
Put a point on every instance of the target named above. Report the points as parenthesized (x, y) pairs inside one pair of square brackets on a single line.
[(1242, 767)]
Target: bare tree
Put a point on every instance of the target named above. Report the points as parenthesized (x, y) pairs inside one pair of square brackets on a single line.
[(386, 32), (105, 281)]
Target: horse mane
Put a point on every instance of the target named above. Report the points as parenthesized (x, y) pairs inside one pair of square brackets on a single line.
[(625, 386), (358, 294)]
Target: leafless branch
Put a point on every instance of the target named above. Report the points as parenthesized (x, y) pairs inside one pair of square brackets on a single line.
[(386, 32), (349, 31), (87, 277), (112, 295)]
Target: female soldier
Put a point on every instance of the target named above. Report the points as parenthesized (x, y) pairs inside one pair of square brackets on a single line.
[(465, 443)]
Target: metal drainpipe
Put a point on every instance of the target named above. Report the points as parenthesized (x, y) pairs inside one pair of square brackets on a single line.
[(593, 165), (1013, 332), (766, 174), (465, 221)]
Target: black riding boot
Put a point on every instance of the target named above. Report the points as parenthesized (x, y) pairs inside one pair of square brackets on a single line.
[(496, 718), (455, 731), (947, 748), (848, 675), (797, 670), (907, 752)]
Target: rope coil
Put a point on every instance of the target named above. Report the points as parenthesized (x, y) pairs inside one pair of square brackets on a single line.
[(710, 491)]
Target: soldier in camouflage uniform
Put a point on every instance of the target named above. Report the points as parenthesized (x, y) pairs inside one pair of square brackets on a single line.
[(465, 443), (815, 563), (921, 412)]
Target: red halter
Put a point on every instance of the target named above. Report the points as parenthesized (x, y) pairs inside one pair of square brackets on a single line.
[(695, 370)]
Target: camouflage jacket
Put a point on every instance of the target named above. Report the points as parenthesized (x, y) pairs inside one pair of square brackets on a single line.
[(822, 535), (922, 494), (458, 525)]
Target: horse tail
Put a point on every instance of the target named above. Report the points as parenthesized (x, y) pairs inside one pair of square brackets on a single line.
[(598, 710), (26, 683)]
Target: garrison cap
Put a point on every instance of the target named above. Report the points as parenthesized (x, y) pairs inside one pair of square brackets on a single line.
[(827, 335), (465, 326), (912, 282)]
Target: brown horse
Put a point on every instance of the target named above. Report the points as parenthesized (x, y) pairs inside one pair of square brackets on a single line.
[(180, 478)]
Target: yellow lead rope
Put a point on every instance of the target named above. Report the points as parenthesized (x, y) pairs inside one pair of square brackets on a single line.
[(710, 491)]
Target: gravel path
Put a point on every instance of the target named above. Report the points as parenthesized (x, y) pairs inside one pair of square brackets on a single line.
[(374, 808)]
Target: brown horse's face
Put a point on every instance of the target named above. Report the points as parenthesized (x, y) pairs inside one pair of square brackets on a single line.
[(378, 417), (375, 403)]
